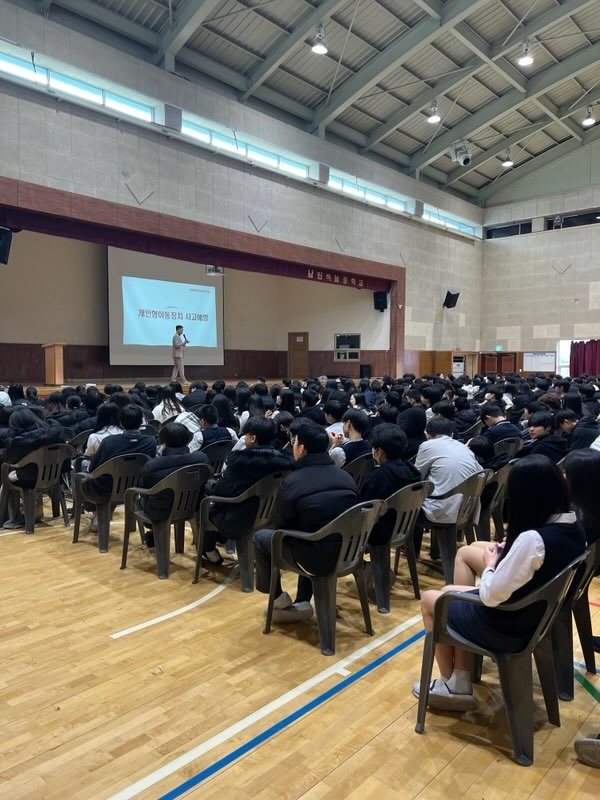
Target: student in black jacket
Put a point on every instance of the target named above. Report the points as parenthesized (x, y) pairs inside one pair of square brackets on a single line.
[(578, 433), (545, 441)]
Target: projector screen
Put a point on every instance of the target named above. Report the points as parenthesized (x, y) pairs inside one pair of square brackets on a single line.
[(148, 296)]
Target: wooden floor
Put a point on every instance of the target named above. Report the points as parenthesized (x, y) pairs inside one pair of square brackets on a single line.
[(204, 695)]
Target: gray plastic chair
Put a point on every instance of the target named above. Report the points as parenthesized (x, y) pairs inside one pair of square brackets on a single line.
[(474, 430), (576, 606), (446, 534), (185, 485), (125, 472), (510, 446), (353, 528), (406, 503), (265, 491), (496, 501), (359, 468), (514, 669), (49, 461), (217, 453)]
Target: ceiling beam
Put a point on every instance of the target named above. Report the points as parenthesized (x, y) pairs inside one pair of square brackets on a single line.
[(482, 49), (499, 49), (43, 6), (288, 44), (109, 19), (431, 7), (495, 150), (185, 24), (488, 114), (576, 131), (545, 159), (403, 48)]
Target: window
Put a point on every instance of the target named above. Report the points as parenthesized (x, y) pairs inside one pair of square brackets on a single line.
[(347, 347)]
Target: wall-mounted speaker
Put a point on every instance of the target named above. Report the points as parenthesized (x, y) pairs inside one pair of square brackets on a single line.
[(380, 301), (451, 299), (5, 240)]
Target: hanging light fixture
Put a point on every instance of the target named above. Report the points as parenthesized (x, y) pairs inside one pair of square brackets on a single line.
[(318, 44), (590, 118), (508, 162), (525, 59), (434, 116)]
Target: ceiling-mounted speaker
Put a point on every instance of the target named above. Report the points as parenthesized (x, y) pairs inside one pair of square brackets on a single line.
[(451, 299), (5, 240)]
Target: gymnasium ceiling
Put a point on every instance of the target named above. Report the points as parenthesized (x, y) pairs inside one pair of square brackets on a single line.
[(387, 61)]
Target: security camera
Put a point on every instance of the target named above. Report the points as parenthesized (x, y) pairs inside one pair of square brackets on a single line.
[(460, 152)]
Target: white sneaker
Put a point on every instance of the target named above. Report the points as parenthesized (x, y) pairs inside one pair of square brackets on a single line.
[(441, 698)]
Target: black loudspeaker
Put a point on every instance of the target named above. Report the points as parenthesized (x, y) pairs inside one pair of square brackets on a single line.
[(5, 240), (451, 299), (365, 371), (380, 301)]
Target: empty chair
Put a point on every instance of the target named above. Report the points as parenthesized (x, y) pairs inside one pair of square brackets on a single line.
[(406, 503), (353, 528), (514, 669), (359, 468), (185, 486), (217, 453), (446, 534), (510, 446), (49, 461), (125, 472), (497, 487), (576, 606), (264, 491)]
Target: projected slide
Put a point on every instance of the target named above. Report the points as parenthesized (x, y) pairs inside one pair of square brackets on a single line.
[(148, 295), (152, 309)]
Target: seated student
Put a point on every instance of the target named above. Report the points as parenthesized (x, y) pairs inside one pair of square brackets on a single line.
[(28, 431), (169, 405), (498, 427), (545, 441), (175, 439), (392, 474), (495, 394), (244, 468), (196, 395), (130, 440), (107, 424), (465, 416), (334, 410), (430, 395), (413, 421), (445, 409), (350, 444), (211, 431), (590, 406), (315, 493), (283, 420), (578, 433), (543, 537), (309, 408)]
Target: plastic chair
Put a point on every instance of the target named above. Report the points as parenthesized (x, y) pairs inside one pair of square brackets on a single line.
[(576, 606), (49, 461), (264, 491), (474, 430), (79, 441), (406, 502), (446, 534), (514, 669), (496, 501), (125, 472), (359, 468), (185, 485), (353, 527), (217, 453), (511, 446)]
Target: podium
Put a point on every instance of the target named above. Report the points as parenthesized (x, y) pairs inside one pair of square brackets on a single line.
[(54, 360)]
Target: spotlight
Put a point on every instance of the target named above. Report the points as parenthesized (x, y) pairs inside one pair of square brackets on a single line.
[(508, 162), (318, 45), (434, 117), (590, 119), (525, 59)]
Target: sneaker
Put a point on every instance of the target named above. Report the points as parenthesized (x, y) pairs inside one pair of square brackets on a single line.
[(588, 751), (213, 557), (13, 524), (297, 612), (441, 698), (94, 525)]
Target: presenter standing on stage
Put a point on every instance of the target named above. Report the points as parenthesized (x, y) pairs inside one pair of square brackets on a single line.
[(179, 342)]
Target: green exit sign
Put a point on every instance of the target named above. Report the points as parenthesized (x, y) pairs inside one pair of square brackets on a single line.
[(499, 348)]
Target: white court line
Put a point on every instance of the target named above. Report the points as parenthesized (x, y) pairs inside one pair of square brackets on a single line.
[(12, 533), (221, 588), (344, 672), (261, 713)]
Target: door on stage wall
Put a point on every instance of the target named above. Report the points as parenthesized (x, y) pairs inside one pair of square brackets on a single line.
[(298, 355), (498, 363)]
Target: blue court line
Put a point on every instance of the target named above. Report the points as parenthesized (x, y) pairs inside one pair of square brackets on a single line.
[(287, 721)]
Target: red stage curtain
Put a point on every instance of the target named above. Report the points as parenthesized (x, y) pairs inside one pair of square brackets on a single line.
[(585, 358)]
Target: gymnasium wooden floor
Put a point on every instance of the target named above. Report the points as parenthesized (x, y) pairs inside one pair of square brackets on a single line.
[(201, 704)]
